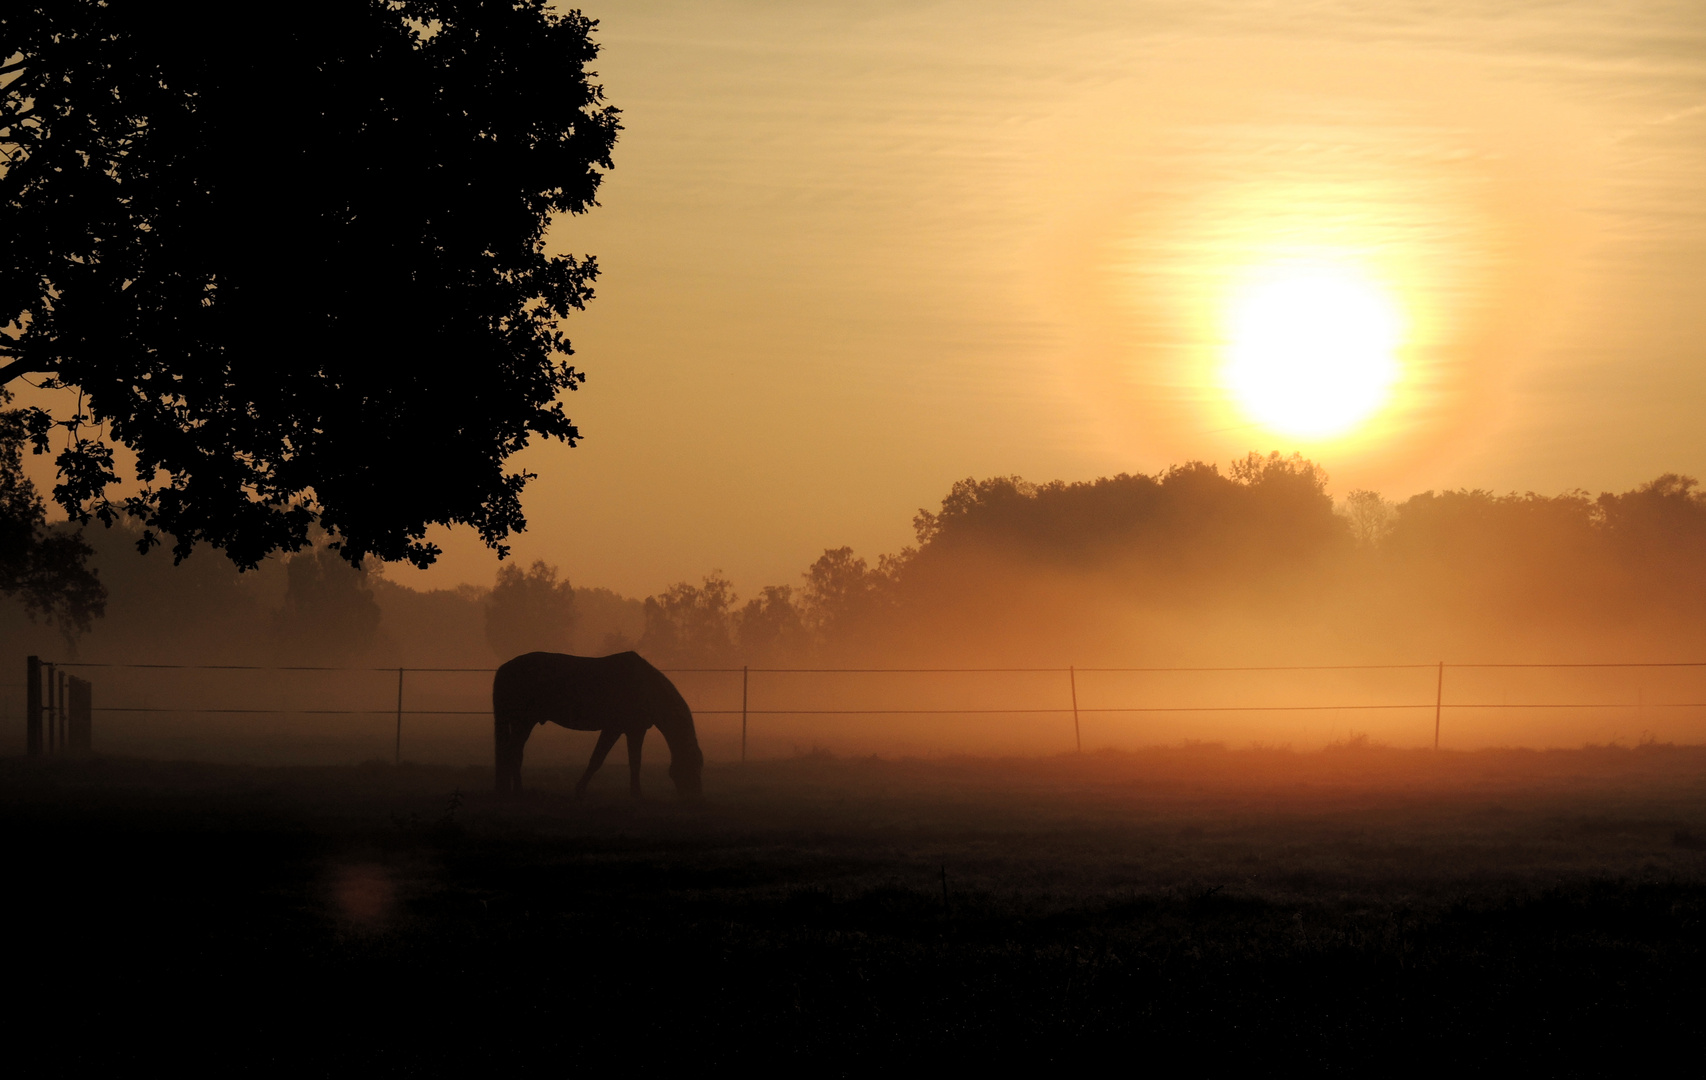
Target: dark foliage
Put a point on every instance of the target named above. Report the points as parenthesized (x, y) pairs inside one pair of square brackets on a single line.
[(45, 569), (294, 258), (1270, 512)]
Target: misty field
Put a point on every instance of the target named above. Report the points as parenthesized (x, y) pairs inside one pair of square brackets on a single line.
[(1198, 908)]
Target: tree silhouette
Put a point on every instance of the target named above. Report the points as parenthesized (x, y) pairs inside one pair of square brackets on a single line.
[(1369, 516), (329, 609), (530, 611), (1188, 524), (770, 628), (295, 258), (44, 569), (691, 624), (839, 588)]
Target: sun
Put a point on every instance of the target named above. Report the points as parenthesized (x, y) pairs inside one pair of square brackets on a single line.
[(1312, 353)]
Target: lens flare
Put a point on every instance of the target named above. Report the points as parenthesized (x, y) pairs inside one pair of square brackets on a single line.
[(1312, 354)]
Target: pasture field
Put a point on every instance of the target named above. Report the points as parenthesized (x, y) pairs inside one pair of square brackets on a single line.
[(1192, 908)]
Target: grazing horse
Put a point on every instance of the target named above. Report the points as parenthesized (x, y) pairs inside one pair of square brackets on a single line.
[(612, 695)]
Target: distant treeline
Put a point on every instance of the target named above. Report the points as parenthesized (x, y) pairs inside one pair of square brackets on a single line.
[(312, 608), (1255, 564)]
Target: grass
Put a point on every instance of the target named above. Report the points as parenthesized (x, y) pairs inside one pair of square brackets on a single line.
[(1198, 908)]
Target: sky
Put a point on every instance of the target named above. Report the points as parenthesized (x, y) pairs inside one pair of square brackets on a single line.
[(853, 252)]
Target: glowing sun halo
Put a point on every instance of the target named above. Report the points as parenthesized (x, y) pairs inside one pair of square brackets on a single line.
[(1312, 353)]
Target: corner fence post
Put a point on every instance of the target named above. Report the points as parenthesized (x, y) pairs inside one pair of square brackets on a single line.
[(32, 706), (743, 683), (1077, 735), (397, 753), (1439, 698)]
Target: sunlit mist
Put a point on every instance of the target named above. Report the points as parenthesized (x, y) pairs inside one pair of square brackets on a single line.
[(1313, 352)]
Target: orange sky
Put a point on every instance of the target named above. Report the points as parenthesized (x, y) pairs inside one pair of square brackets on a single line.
[(853, 252)]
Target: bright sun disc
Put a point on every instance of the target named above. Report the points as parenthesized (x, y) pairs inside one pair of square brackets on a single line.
[(1312, 353)]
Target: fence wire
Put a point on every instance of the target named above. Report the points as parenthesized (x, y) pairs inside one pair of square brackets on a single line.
[(1436, 702)]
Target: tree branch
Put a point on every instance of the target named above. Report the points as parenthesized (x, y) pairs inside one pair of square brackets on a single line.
[(14, 369)]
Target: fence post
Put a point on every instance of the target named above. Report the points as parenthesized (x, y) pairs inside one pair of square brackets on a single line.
[(397, 754), (32, 706), (60, 698), (1077, 736), (1439, 698), (743, 678)]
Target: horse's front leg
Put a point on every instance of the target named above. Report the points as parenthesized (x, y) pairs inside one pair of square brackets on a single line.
[(635, 740), (606, 740)]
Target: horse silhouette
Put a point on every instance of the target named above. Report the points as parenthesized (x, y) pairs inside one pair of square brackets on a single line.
[(612, 695)]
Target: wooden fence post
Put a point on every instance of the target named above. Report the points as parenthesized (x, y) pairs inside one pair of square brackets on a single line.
[(397, 753), (32, 706), (743, 684), (1077, 735), (1439, 698)]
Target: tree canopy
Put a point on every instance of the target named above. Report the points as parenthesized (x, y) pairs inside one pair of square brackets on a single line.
[(294, 258), (47, 570)]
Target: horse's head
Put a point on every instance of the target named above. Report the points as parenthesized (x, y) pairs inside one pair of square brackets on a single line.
[(685, 768)]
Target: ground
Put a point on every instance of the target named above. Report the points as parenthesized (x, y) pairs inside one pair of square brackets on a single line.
[(1196, 908)]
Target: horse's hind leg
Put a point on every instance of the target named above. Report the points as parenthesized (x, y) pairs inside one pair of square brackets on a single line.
[(606, 740), (636, 739), (511, 739)]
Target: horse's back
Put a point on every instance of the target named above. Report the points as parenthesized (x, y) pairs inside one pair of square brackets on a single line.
[(556, 686)]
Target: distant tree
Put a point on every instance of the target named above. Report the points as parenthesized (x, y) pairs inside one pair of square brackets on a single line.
[(294, 258), (1187, 527), (1254, 470), (606, 622), (840, 591), (202, 610), (1289, 510), (530, 610), (1502, 557), (691, 624), (432, 627), (1370, 517), (770, 627), (1657, 533), (47, 570), (971, 500), (1665, 514), (329, 611)]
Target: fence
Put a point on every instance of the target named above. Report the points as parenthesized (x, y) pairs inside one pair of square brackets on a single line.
[(60, 705), (58, 710)]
